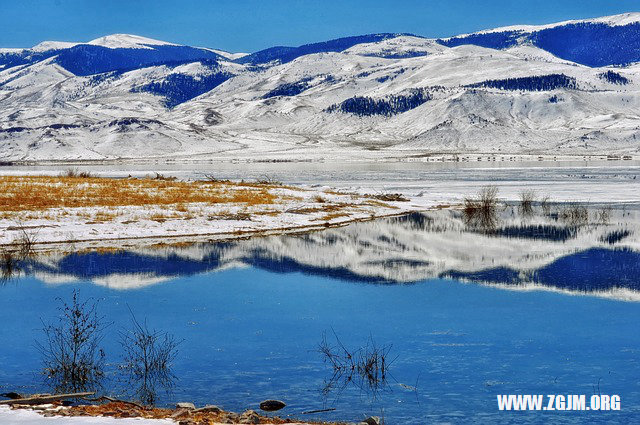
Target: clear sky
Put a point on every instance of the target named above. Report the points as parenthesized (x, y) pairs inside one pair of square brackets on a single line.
[(251, 25)]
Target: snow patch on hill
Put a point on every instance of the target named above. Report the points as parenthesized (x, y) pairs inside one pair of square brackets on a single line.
[(613, 20), (52, 45), (128, 41)]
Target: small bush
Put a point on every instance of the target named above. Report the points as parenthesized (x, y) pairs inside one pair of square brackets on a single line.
[(72, 357), (75, 173), (164, 178), (482, 210), (367, 367), (526, 202), (575, 215), (8, 266), (603, 215), (545, 204), (389, 197), (147, 360)]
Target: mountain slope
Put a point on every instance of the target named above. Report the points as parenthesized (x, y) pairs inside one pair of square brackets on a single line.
[(506, 91), (607, 41)]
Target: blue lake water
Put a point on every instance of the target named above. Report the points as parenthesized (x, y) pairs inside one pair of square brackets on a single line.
[(251, 315)]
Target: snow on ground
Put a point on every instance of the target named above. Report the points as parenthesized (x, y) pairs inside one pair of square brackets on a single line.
[(427, 185), (48, 114), (10, 416), (291, 209)]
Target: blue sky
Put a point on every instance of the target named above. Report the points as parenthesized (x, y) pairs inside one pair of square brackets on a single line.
[(250, 25)]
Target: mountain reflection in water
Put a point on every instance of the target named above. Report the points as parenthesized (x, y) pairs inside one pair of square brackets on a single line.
[(539, 251)]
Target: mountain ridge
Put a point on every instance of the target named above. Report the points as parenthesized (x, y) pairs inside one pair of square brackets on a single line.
[(387, 95)]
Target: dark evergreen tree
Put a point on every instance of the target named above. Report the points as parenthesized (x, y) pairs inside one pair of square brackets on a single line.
[(614, 77), (289, 89), (534, 83), (391, 105), (178, 88)]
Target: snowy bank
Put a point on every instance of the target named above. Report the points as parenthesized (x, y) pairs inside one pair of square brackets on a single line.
[(40, 212)]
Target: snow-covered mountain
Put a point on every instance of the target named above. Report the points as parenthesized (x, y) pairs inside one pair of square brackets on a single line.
[(566, 88)]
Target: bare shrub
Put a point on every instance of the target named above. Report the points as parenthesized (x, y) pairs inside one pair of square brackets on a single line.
[(603, 215), (546, 205), (389, 197), (164, 178), (72, 357), (8, 266), (575, 215), (147, 360), (213, 179), (482, 210), (526, 202), (25, 243), (75, 173), (269, 181), (367, 368)]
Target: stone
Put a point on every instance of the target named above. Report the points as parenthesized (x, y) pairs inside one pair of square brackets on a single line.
[(209, 408), (184, 405), (180, 413), (372, 420), (249, 417), (272, 405), (230, 417), (12, 395)]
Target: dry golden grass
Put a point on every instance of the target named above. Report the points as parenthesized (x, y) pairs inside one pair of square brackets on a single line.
[(37, 193), (104, 216), (376, 203), (331, 216)]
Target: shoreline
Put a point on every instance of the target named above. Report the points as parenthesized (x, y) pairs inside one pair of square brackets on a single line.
[(120, 412), (70, 213), (176, 240), (394, 157)]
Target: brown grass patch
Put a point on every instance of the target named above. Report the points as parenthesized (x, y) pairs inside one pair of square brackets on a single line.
[(376, 203), (37, 193), (331, 216)]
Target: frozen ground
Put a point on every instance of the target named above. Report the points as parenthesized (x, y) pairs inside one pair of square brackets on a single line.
[(426, 183), (28, 417), (98, 212)]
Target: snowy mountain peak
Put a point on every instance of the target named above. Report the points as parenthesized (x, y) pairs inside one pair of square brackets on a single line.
[(567, 89), (613, 20), (622, 19), (128, 41), (52, 45), (228, 55)]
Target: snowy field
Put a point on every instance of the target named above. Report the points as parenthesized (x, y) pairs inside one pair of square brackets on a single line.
[(101, 212), (427, 183)]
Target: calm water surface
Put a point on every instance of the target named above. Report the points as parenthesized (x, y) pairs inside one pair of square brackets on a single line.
[(543, 307)]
